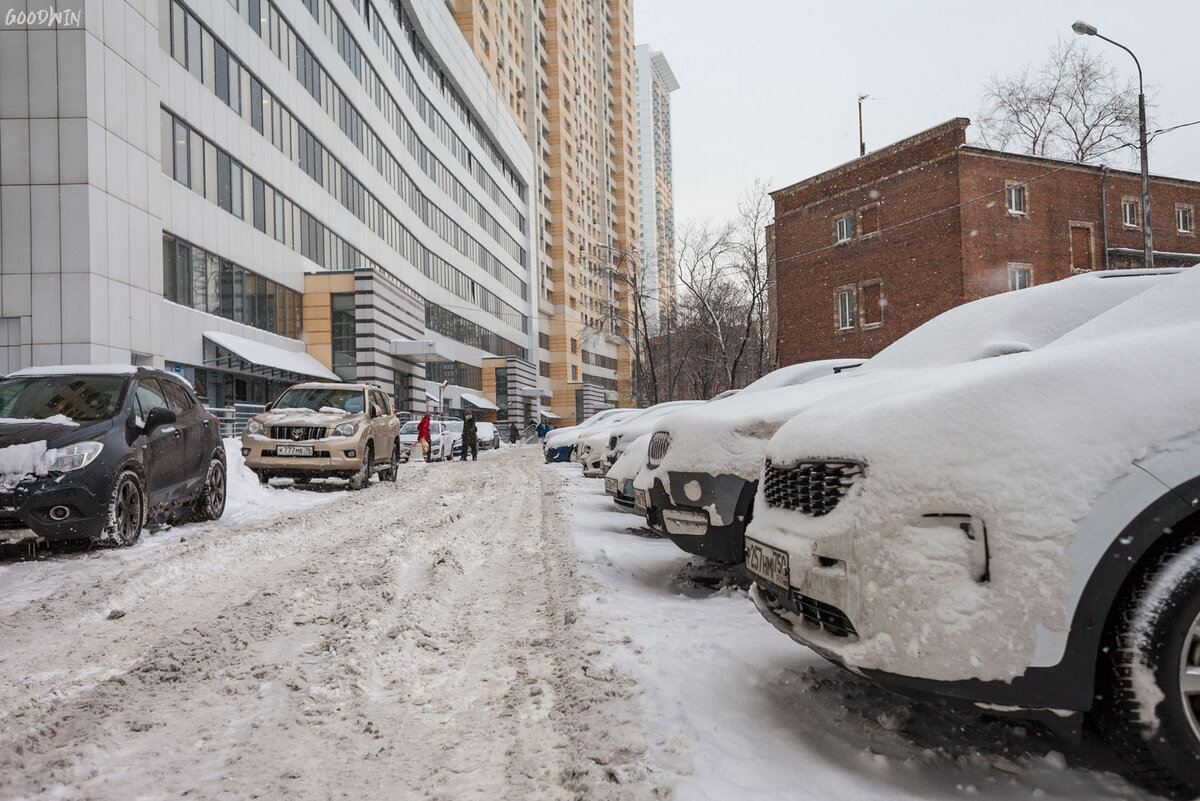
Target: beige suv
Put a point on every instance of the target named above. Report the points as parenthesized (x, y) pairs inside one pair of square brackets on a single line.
[(316, 430)]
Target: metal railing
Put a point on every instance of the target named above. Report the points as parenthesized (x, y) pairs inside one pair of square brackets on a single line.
[(233, 419)]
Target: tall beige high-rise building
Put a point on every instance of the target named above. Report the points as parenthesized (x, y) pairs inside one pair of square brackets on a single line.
[(567, 70), (655, 82)]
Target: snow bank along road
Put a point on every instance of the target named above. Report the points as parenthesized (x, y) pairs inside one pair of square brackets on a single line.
[(413, 640)]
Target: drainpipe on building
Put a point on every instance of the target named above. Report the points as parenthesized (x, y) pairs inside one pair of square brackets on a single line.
[(1104, 213)]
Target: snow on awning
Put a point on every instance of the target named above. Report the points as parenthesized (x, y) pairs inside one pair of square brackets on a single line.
[(550, 414), (264, 355), (478, 402)]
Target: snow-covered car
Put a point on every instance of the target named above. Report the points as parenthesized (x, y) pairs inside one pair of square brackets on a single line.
[(705, 469), (629, 430), (698, 484), (1019, 532), (487, 435), (618, 481), (438, 446), (91, 451), (317, 430), (559, 444), (592, 447)]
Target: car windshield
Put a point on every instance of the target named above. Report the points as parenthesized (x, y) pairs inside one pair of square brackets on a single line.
[(410, 427), (81, 398), (320, 398), (455, 426)]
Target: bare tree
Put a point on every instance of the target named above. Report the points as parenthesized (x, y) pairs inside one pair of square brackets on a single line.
[(1073, 106)]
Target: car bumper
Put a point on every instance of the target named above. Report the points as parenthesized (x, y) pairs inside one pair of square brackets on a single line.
[(696, 527), (329, 456), (25, 512), (560, 454)]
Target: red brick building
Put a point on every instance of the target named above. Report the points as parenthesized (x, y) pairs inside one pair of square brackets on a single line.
[(869, 250)]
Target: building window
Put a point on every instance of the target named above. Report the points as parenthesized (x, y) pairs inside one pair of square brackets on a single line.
[(1184, 219), (843, 228), (574, 372), (345, 359), (1131, 214), (1015, 196), (868, 220), (846, 311), (872, 304), (1020, 276)]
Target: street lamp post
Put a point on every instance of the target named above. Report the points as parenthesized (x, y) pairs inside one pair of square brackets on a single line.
[(637, 341), (1083, 29)]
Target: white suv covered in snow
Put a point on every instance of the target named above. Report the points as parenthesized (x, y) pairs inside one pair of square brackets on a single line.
[(1021, 532)]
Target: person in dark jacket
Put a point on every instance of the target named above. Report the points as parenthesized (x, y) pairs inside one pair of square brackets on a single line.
[(470, 438), (423, 436), (514, 433)]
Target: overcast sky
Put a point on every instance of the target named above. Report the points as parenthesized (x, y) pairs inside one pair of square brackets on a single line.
[(769, 88)]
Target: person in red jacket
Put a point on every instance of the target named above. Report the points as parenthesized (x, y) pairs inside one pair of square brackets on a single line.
[(423, 435)]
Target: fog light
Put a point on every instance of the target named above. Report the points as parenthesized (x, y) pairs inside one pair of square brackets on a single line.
[(245, 451), (59, 513), (351, 454)]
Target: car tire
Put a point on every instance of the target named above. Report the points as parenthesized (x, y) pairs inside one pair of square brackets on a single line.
[(263, 476), (210, 502), (496, 441), (126, 510), (361, 478), (1149, 705), (392, 471)]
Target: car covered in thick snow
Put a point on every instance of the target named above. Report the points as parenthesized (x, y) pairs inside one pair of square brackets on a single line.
[(592, 447), (1019, 532), (618, 481), (620, 435), (703, 463), (318, 429), (702, 484), (559, 444), (92, 451)]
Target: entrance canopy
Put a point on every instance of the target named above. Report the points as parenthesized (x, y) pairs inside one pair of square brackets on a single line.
[(550, 414), (269, 360), (478, 401)]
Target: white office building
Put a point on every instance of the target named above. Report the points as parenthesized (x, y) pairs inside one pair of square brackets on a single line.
[(255, 192), (656, 203)]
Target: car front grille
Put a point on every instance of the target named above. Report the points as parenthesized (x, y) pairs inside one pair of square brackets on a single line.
[(316, 455), (813, 488), (8, 522), (612, 443), (823, 615), (658, 448), (297, 433)]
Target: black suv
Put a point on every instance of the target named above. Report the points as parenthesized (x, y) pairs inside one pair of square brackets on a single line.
[(93, 451)]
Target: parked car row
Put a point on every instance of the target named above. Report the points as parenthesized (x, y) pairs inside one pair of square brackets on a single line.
[(1000, 508)]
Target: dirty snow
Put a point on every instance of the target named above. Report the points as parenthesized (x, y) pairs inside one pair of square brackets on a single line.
[(484, 629)]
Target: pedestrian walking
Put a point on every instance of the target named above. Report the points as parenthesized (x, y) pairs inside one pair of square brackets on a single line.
[(470, 438), (423, 435), (514, 433)]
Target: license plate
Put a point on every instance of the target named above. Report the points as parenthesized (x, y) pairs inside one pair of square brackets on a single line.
[(641, 499), (767, 562), (610, 486), (294, 450)]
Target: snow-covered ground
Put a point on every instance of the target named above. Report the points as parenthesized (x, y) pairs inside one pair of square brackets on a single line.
[(737, 710), (491, 629)]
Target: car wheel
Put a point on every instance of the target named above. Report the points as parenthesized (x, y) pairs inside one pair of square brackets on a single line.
[(496, 441), (360, 479), (210, 503), (393, 469), (263, 476), (126, 510), (1149, 708)]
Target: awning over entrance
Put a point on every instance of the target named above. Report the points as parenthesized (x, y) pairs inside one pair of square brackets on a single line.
[(293, 364), (550, 414), (419, 350), (534, 392), (478, 401)]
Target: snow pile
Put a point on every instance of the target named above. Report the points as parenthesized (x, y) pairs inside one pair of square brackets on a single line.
[(18, 462), (247, 499), (1025, 443)]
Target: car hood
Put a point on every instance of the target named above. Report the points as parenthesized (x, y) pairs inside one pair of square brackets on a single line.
[(632, 461), (306, 417), (54, 434)]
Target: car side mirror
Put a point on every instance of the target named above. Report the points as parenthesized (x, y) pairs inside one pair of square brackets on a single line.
[(268, 406), (376, 411), (158, 416)]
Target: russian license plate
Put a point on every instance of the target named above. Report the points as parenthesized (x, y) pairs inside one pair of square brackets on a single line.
[(610, 486), (641, 499), (767, 562), (294, 450)]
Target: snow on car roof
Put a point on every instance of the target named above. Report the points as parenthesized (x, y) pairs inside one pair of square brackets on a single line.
[(77, 369), (1025, 319), (799, 373)]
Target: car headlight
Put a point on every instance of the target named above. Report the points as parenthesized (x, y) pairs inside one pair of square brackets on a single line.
[(254, 427), (72, 457), (345, 430)]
